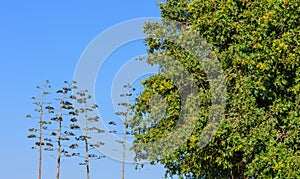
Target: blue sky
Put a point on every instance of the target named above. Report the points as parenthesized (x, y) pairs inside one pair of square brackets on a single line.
[(42, 40)]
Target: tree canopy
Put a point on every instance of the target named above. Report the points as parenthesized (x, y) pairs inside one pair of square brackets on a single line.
[(257, 45)]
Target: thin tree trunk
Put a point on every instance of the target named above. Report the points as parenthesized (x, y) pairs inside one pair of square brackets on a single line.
[(59, 144), (40, 150), (86, 146), (125, 133), (87, 159), (40, 137), (124, 151), (58, 165), (58, 153)]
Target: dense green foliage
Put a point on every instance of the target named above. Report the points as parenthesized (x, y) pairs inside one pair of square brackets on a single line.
[(257, 44)]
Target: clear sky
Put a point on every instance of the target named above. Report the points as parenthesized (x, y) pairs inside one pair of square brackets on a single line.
[(42, 40)]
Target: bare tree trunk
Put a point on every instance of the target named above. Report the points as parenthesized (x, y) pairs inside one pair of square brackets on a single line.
[(87, 163), (40, 150), (58, 165), (87, 159), (124, 151), (40, 137), (62, 101), (59, 144), (127, 113), (58, 158)]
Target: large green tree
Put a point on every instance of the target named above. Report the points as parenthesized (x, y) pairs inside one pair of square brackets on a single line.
[(257, 45)]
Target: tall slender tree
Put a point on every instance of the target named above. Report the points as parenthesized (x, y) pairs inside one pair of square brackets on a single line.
[(125, 115), (55, 132), (38, 132), (85, 111), (66, 110)]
